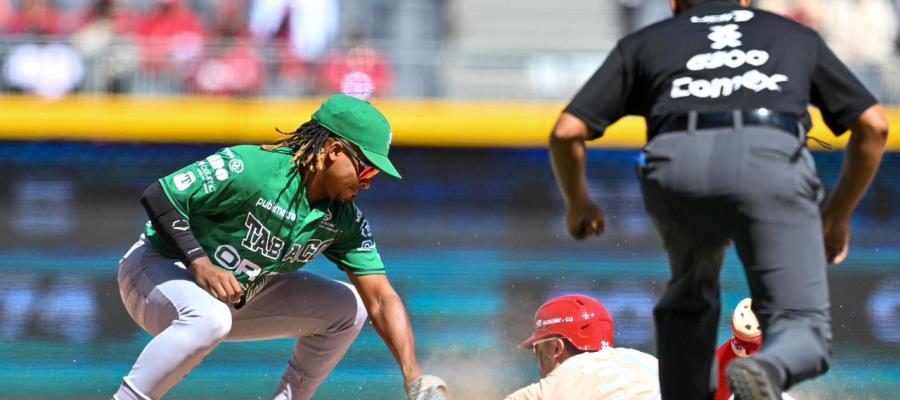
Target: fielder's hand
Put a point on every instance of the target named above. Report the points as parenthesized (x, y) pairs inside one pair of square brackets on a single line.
[(427, 387), (837, 238), (584, 218), (219, 283)]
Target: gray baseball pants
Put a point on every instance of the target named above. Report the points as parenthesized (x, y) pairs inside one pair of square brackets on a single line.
[(188, 323), (756, 187)]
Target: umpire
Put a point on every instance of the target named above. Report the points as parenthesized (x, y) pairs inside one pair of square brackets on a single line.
[(724, 89)]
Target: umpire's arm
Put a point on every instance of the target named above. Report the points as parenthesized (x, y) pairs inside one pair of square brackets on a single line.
[(868, 138), (569, 157), (390, 320)]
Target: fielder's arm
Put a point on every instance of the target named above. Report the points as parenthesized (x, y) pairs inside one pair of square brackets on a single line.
[(175, 232), (569, 157), (173, 228), (868, 138), (391, 321)]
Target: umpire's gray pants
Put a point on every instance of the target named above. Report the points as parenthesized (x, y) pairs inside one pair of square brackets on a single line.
[(757, 187)]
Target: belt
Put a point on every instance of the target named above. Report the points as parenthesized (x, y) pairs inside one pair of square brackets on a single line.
[(733, 119)]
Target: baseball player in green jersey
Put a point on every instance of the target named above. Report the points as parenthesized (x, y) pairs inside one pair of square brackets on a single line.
[(220, 257)]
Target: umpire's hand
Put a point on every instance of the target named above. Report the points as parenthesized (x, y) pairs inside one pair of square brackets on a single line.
[(219, 283), (837, 238), (584, 218)]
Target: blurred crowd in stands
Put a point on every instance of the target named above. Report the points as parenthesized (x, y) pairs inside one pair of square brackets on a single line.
[(224, 47), (300, 47)]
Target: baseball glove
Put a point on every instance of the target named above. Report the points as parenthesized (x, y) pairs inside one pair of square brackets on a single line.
[(426, 387)]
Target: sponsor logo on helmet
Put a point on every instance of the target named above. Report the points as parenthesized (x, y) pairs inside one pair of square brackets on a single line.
[(553, 321)]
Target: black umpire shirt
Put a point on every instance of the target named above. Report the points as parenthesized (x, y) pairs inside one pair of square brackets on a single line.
[(718, 56)]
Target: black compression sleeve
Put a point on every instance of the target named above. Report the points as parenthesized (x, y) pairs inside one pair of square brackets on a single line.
[(174, 230)]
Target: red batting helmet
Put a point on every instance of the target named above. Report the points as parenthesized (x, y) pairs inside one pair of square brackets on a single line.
[(582, 320)]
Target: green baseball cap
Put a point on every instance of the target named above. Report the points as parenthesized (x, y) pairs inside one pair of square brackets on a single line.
[(361, 124)]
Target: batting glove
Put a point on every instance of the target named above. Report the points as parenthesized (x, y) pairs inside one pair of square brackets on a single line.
[(426, 387)]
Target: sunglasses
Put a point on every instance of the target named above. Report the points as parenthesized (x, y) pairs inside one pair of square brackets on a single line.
[(366, 171), (537, 342)]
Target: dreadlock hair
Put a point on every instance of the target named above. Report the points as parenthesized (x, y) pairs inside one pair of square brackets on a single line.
[(307, 144)]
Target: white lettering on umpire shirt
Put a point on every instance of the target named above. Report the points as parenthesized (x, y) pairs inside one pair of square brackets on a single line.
[(718, 87), (723, 36), (731, 59), (724, 41), (734, 16)]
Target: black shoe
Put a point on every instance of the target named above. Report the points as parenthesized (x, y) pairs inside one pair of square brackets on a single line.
[(749, 381)]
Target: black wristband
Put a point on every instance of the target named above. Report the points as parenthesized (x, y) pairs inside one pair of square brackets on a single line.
[(173, 229)]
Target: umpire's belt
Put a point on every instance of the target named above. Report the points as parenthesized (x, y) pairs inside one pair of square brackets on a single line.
[(732, 119)]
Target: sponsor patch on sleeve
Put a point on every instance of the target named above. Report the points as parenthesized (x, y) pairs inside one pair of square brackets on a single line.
[(236, 166), (184, 181)]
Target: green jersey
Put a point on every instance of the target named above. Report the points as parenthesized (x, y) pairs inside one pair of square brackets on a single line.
[(248, 209)]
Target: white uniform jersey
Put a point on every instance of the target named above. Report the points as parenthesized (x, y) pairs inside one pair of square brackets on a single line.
[(611, 373)]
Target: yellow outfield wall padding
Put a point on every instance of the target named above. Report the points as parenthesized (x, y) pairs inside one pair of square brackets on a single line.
[(442, 123)]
